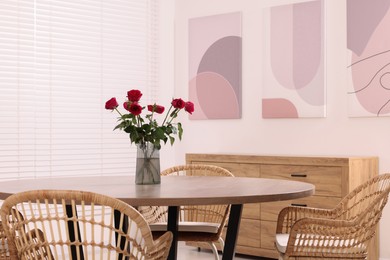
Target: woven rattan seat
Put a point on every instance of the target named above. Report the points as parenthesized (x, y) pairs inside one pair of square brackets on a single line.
[(197, 223), (102, 227), (339, 233)]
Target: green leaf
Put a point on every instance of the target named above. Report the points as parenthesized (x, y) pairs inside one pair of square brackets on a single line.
[(149, 138), (171, 139), (174, 113), (168, 130), (119, 126), (160, 134), (134, 136), (180, 130), (127, 116), (147, 128), (129, 129), (157, 145)]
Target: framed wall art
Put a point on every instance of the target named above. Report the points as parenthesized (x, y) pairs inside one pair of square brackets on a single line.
[(294, 61), (215, 66), (368, 46)]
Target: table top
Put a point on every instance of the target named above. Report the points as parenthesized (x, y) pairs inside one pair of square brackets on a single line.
[(173, 190)]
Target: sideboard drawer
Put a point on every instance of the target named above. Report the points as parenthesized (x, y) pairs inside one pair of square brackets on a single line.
[(327, 180), (249, 233), (270, 210), (267, 237), (251, 211)]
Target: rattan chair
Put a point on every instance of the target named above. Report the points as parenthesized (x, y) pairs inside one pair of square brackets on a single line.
[(202, 224), (339, 233), (60, 224)]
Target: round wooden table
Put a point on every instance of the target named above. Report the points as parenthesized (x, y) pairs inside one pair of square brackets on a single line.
[(175, 191)]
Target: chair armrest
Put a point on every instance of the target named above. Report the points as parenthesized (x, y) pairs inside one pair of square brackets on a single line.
[(289, 215), (162, 246), (326, 238)]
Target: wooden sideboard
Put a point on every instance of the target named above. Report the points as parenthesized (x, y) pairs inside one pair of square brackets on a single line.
[(334, 177)]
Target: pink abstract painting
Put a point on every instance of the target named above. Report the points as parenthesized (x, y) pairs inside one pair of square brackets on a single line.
[(215, 66), (294, 74), (368, 44)]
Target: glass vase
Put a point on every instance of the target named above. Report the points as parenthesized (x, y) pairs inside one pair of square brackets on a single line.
[(147, 165)]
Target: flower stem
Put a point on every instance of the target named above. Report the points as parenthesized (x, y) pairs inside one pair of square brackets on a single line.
[(166, 116), (174, 115), (118, 112), (139, 121)]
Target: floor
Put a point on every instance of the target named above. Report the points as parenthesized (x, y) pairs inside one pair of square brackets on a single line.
[(191, 253)]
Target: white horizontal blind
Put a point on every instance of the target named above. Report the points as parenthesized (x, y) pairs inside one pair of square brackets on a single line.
[(60, 61)]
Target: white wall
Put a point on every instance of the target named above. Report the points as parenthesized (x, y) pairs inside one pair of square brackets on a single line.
[(167, 17), (335, 135)]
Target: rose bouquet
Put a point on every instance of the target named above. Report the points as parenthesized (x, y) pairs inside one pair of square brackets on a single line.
[(143, 130), (147, 133)]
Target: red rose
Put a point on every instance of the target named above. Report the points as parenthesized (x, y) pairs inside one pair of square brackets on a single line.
[(126, 105), (134, 95), (135, 109), (111, 104), (189, 107), (156, 108), (178, 103)]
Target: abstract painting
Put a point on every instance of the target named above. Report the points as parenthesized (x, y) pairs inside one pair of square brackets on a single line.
[(294, 66), (368, 44), (215, 66)]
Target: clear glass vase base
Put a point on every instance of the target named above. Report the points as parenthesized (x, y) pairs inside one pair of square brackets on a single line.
[(147, 165)]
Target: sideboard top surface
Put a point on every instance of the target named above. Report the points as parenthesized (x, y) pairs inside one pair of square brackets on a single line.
[(274, 159)]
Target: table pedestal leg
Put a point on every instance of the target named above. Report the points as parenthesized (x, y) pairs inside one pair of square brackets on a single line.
[(173, 219), (232, 232)]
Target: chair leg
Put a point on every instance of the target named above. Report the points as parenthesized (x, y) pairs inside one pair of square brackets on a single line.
[(222, 243), (215, 250)]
